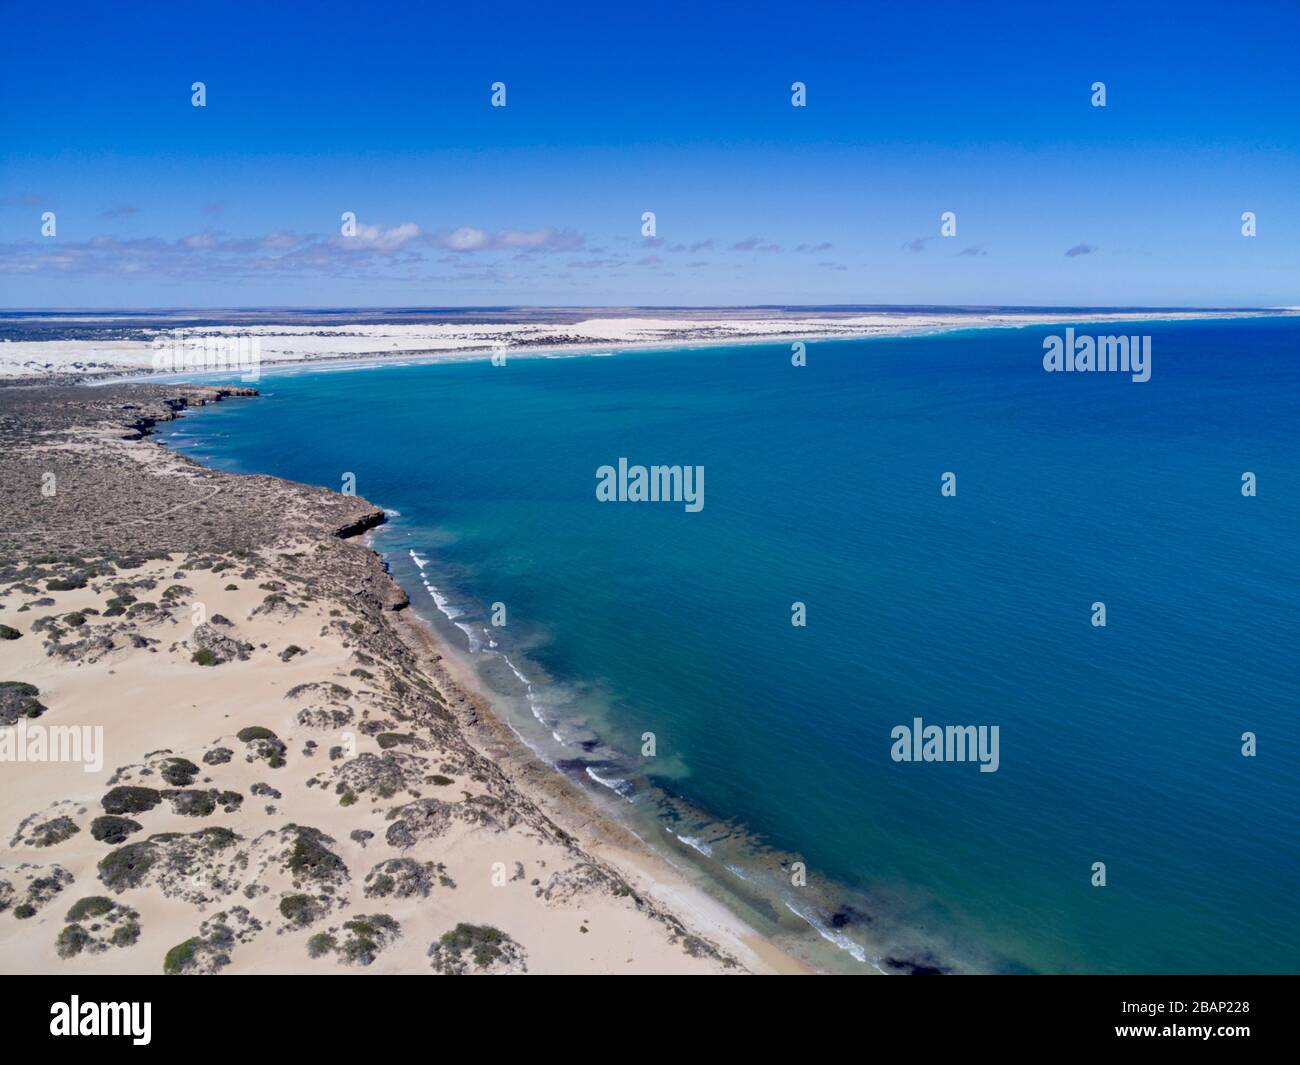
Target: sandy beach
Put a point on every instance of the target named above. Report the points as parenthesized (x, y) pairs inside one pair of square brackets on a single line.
[(279, 773)]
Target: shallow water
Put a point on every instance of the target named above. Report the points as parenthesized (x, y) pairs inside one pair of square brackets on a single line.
[(772, 742)]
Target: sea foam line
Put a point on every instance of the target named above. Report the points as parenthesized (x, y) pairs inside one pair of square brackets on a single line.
[(477, 643), (696, 844), (615, 784), (830, 935)]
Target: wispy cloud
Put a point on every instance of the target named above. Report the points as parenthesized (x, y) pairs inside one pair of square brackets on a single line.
[(975, 250), (119, 212), (693, 248), (1080, 249), (917, 245), (379, 238), (469, 238), (596, 264), (208, 254), (25, 199)]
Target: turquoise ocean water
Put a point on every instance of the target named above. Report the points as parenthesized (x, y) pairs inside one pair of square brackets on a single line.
[(1120, 745)]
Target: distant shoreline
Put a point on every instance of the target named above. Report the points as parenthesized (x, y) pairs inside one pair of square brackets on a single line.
[(293, 345)]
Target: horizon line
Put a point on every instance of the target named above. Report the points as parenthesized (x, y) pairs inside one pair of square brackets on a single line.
[(431, 308)]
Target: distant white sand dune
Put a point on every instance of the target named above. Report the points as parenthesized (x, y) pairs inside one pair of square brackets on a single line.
[(299, 343)]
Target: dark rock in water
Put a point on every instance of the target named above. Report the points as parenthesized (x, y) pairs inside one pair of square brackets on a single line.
[(913, 968), (847, 915), (579, 766), (603, 771)]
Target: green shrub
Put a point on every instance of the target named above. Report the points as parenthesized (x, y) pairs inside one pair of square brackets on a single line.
[(130, 800), (72, 941), (179, 772), (90, 906), (113, 829), (55, 831), (215, 838), (368, 935), (484, 944), (126, 935), (482, 940), (20, 687), (19, 699), (321, 943), (255, 732), (127, 866), (192, 802), (182, 956), (300, 910), (311, 859)]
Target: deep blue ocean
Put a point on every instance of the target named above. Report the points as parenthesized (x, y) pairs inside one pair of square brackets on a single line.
[(1119, 744)]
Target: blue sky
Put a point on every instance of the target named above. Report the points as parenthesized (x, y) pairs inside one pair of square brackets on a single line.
[(617, 109)]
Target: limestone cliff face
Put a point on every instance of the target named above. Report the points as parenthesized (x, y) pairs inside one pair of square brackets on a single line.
[(70, 474)]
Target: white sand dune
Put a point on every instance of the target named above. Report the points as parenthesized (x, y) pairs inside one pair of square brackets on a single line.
[(548, 899), (292, 343)]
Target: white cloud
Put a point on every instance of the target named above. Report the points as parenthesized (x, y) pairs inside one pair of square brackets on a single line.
[(380, 239), (466, 238)]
